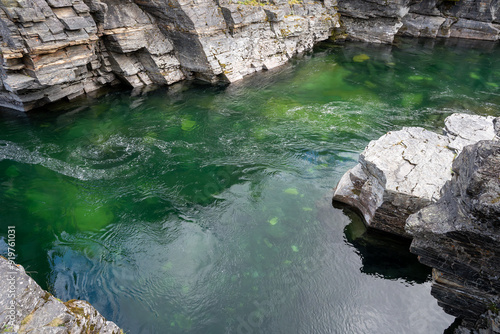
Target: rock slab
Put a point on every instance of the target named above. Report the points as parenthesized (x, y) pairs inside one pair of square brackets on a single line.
[(26, 308), (404, 171)]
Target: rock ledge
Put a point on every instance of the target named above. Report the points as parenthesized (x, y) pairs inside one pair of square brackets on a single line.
[(26, 308)]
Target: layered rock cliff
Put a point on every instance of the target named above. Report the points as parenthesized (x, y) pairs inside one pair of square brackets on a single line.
[(381, 20), (54, 49), (26, 308)]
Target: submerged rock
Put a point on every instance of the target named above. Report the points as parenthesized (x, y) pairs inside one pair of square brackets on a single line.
[(459, 236), (26, 308), (404, 171)]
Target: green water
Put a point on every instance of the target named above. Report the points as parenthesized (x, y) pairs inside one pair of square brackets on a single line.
[(201, 209)]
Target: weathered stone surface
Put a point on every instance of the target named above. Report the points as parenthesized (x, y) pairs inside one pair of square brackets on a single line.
[(26, 308), (147, 42), (66, 49), (386, 185), (465, 130), (380, 20), (404, 171), (416, 25), (74, 23), (166, 41), (375, 21), (225, 41), (459, 235)]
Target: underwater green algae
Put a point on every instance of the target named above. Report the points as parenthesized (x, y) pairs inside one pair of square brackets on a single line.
[(360, 58)]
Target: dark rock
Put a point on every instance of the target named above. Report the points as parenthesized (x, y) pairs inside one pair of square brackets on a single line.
[(459, 235), (379, 20), (74, 22)]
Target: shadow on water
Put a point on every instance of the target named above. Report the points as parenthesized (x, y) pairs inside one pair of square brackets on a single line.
[(383, 254)]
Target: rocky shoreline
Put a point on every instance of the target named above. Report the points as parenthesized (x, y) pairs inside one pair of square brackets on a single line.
[(63, 49), (55, 49), (380, 20), (27, 308), (443, 192)]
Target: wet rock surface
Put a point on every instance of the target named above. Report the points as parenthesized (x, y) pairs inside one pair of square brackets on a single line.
[(26, 308), (404, 171)]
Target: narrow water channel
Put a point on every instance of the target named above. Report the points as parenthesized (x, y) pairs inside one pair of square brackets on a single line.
[(202, 209)]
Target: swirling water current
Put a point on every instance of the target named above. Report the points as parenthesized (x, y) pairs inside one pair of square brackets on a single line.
[(207, 209)]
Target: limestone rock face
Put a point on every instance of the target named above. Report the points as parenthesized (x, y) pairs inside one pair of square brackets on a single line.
[(459, 236), (26, 308), (380, 20), (63, 49), (375, 21), (404, 171), (466, 130), (54, 49), (226, 40)]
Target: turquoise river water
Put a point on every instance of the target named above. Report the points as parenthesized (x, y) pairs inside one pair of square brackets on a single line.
[(207, 209)]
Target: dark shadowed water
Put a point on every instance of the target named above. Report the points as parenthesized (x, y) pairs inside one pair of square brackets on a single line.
[(200, 209)]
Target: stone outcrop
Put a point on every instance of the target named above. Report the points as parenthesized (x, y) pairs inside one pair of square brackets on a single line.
[(404, 171), (26, 308), (459, 236), (443, 191), (381, 20), (55, 49)]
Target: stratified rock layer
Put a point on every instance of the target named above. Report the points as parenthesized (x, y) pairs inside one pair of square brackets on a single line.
[(404, 171), (381, 20), (52, 50), (26, 308), (459, 236)]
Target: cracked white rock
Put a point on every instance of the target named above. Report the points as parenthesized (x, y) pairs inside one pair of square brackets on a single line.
[(466, 130), (404, 170)]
